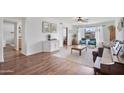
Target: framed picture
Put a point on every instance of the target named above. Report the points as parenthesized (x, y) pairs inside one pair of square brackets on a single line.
[(53, 27), (45, 27), (121, 24), (119, 27)]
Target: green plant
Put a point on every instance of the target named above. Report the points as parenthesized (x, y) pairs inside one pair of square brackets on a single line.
[(74, 36)]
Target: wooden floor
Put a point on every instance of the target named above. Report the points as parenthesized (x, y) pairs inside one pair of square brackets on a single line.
[(39, 64)]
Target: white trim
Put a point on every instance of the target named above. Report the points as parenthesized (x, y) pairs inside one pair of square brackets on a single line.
[(1, 40), (2, 60)]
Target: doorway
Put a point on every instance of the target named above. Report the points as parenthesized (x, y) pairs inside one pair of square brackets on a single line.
[(65, 37), (9, 35), (11, 40), (112, 33)]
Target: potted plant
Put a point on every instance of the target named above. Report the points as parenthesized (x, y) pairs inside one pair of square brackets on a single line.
[(74, 40), (49, 37)]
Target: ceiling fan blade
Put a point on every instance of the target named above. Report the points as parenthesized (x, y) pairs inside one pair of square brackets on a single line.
[(80, 19)]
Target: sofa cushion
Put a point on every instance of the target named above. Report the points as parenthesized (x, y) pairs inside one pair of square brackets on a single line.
[(92, 42)]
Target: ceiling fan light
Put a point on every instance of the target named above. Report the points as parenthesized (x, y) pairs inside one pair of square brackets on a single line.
[(79, 22)]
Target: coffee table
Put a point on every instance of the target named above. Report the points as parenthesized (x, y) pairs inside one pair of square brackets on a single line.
[(78, 48)]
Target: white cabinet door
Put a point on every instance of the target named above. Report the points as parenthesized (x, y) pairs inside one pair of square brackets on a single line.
[(50, 46)]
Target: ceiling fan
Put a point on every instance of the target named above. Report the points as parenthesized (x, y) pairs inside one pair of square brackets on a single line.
[(81, 19)]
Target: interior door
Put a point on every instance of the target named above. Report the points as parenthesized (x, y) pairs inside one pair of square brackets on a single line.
[(112, 32), (112, 35)]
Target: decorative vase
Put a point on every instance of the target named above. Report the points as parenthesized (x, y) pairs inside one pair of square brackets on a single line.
[(49, 37)]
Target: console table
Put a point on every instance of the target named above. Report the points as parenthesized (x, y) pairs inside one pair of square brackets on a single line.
[(50, 45)]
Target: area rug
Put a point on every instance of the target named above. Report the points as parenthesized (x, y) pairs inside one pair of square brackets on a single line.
[(85, 59)]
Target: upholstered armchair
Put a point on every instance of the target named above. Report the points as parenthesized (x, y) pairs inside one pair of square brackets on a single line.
[(83, 41), (92, 42)]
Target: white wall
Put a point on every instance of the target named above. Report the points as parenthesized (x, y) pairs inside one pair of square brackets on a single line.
[(99, 35), (35, 36), (1, 40), (61, 35), (119, 34), (8, 33), (24, 38), (106, 32)]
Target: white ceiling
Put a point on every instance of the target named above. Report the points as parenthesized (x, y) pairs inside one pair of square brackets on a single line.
[(73, 20), (91, 20)]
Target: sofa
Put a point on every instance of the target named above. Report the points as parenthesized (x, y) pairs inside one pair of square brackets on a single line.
[(108, 61)]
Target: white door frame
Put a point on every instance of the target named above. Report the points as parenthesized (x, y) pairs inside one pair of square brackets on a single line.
[(17, 24), (15, 33), (1, 40)]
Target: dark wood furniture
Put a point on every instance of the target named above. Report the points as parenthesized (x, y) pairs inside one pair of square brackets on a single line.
[(98, 53), (117, 68), (78, 48), (111, 64), (114, 69)]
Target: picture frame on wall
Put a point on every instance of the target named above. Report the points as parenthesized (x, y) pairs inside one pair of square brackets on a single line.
[(45, 27), (53, 27), (121, 24), (49, 27), (118, 27)]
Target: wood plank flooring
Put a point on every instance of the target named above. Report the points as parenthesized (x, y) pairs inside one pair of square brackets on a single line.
[(39, 64)]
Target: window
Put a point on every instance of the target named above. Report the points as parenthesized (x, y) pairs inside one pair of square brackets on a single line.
[(90, 32)]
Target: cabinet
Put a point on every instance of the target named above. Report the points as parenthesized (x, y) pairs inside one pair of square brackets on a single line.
[(50, 46)]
